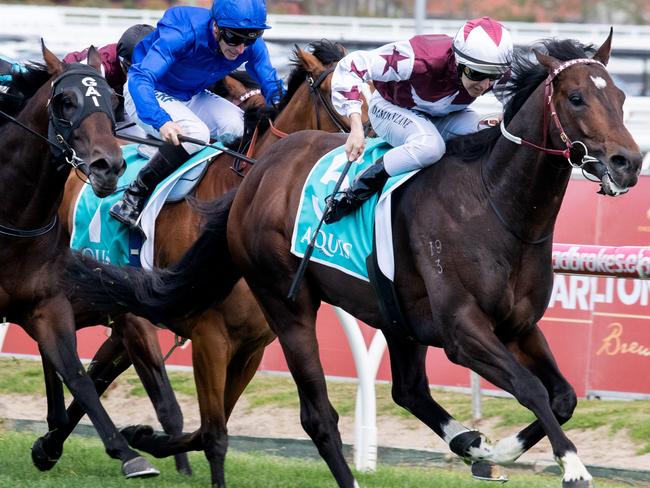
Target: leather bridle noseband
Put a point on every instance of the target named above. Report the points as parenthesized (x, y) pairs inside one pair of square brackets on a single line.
[(314, 88), (60, 129)]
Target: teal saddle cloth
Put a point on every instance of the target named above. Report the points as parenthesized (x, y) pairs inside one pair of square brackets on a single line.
[(343, 245), (97, 234)]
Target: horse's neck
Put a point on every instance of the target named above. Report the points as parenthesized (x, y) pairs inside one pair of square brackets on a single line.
[(294, 117), (526, 185), (30, 186)]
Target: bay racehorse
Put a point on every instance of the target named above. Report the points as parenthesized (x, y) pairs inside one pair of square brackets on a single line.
[(472, 236), (55, 117), (228, 340), (133, 340)]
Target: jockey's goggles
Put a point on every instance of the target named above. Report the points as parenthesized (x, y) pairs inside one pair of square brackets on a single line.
[(474, 75), (236, 37)]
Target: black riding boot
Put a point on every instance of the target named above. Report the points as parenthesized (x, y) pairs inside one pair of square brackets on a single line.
[(162, 164), (365, 185)]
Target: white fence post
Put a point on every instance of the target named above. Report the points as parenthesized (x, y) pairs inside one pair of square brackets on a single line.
[(367, 362)]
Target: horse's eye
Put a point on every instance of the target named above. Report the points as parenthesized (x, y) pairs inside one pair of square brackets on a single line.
[(576, 100), (68, 102)]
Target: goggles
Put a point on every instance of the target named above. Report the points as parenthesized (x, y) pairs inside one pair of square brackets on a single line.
[(474, 75), (236, 37)]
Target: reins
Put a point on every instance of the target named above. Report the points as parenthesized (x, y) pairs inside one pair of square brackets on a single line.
[(549, 107), (70, 155), (314, 85)]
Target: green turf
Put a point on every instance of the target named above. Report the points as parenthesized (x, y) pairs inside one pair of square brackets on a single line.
[(84, 464)]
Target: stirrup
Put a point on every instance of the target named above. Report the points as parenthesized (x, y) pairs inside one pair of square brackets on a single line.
[(338, 209), (124, 213)]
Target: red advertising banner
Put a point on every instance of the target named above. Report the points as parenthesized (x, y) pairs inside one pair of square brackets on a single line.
[(597, 326)]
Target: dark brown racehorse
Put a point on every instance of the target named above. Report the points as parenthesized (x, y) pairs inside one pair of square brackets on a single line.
[(472, 237), (61, 116), (227, 340)]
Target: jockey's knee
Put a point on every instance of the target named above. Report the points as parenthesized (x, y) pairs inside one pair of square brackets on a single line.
[(231, 130), (425, 149), (197, 131)]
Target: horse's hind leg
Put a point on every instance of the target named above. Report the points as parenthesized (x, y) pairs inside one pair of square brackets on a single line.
[(533, 352), (295, 326), (52, 327), (411, 391), (141, 341), (475, 346)]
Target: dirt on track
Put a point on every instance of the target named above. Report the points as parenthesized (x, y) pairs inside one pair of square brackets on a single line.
[(598, 447)]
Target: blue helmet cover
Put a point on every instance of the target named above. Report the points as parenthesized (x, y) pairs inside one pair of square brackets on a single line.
[(240, 14)]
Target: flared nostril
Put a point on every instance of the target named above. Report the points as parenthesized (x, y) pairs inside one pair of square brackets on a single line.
[(619, 161), (627, 161)]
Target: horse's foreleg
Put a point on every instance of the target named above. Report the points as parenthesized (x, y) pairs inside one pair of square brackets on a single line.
[(411, 391), (475, 346), (295, 327), (52, 326), (109, 361), (211, 355), (241, 370), (533, 352), (211, 351), (46, 456), (140, 338)]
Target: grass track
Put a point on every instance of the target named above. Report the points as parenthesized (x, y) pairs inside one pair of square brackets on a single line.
[(84, 464)]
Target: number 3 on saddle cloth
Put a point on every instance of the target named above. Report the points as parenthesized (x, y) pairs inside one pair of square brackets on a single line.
[(96, 233), (346, 244)]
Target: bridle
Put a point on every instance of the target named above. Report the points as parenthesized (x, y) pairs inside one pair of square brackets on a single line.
[(320, 100), (88, 85), (549, 108)]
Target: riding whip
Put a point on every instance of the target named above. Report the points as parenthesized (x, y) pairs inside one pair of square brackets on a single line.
[(157, 143), (295, 284)]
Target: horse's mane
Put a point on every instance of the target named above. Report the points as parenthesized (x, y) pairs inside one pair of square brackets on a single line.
[(21, 88), (526, 76)]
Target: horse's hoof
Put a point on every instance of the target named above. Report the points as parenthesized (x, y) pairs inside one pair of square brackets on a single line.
[(578, 484), (42, 459), (486, 471), (134, 433), (138, 467)]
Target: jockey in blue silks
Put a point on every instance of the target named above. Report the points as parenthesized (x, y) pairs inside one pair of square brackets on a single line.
[(166, 92)]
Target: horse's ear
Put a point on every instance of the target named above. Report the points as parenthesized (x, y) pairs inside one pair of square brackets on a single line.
[(605, 50), (549, 62), (310, 62), (94, 58), (54, 64)]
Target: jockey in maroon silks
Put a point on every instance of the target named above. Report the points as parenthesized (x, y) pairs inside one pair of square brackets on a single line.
[(424, 87)]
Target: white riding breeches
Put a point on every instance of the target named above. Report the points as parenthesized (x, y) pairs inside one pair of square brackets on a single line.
[(205, 116), (418, 141)]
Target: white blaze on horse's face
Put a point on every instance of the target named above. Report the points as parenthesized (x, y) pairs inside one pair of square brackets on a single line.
[(599, 82)]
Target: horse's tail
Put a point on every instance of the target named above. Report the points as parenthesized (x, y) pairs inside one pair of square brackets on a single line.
[(205, 275)]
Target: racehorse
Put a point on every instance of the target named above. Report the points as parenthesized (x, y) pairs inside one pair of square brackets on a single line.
[(472, 236), (55, 117), (227, 340)]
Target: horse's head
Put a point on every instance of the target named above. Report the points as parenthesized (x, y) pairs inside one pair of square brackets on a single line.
[(589, 108), (309, 95), (81, 121)]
